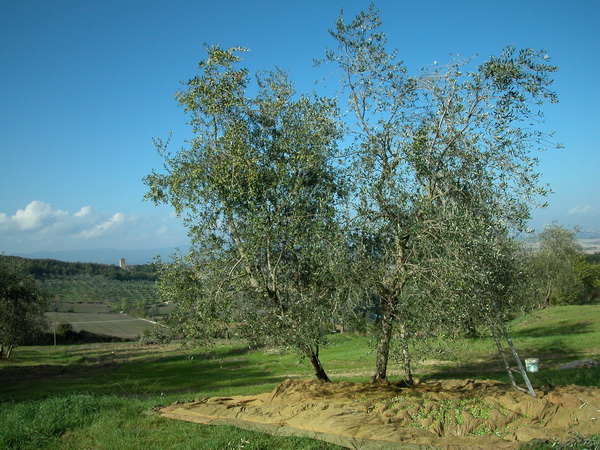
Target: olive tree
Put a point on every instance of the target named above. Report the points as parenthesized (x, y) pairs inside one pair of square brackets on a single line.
[(450, 142), (257, 188), (555, 267), (22, 305)]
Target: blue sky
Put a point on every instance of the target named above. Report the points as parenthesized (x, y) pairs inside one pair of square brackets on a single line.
[(85, 86)]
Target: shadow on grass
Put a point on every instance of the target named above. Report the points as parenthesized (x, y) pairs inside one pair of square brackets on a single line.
[(181, 372), (555, 352), (133, 350), (555, 330), (545, 379), (492, 368), (557, 349)]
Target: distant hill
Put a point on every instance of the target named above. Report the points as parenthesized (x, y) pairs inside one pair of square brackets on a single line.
[(104, 256), (589, 234), (94, 288), (45, 268), (589, 240)]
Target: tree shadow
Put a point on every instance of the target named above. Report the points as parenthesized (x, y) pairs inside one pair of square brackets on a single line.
[(493, 367), (148, 374), (556, 350), (555, 330)]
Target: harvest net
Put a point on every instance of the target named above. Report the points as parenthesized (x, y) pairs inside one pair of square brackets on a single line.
[(449, 414)]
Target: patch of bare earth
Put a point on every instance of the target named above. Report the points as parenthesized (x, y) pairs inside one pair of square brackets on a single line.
[(449, 414)]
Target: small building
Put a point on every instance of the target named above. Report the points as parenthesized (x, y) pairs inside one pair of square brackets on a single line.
[(122, 263)]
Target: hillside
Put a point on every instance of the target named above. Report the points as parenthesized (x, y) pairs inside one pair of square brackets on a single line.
[(100, 299), (98, 288), (130, 296), (104, 256), (121, 326), (43, 269)]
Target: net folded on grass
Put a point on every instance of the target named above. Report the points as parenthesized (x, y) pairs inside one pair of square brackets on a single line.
[(449, 414)]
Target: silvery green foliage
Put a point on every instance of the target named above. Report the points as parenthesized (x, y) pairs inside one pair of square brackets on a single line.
[(444, 172), (555, 264), (258, 191)]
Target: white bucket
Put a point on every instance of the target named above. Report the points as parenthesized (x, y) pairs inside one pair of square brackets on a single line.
[(532, 364)]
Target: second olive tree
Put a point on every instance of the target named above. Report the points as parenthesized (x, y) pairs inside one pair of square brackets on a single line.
[(439, 156)]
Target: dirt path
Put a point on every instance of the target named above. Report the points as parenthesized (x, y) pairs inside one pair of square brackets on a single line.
[(448, 414)]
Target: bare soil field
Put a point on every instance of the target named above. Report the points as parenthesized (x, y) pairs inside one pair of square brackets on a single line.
[(451, 414)]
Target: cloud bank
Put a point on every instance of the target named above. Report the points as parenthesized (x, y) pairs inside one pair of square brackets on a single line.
[(582, 209), (39, 226)]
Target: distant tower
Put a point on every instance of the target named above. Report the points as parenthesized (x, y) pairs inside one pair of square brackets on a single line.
[(122, 264)]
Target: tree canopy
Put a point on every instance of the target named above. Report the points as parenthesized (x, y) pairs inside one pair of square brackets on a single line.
[(559, 271), (413, 214), (258, 190), (439, 158), (22, 304)]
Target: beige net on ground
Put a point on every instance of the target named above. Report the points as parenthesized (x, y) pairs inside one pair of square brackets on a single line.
[(449, 414)]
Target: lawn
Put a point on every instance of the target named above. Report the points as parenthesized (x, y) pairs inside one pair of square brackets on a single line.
[(118, 325), (102, 395)]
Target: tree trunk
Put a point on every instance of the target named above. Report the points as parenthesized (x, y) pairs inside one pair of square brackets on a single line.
[(470, 330), (408, 377), (9, 350), (383, 345), (546, 301), (320, 373)]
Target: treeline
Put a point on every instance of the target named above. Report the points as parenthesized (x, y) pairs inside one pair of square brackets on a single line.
[(43, 269), (593, 258), (66, 335)]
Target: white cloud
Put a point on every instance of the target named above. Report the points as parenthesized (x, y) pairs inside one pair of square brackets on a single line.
[(39, 226), (162, 231), (105, 227), (581, 209), (36, 215), (83, 212)]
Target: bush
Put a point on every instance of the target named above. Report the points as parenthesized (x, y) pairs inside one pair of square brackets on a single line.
[(65, 330), (154, 336)]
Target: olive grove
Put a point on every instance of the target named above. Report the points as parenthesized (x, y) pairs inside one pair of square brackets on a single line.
[(558, 269)]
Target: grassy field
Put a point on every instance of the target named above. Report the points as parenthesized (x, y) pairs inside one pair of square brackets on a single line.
[(119, 325), (102, 395)]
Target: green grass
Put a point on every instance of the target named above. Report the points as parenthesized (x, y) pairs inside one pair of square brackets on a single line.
[(75, 421), (575, 441), (119, 325), (127, 368), (116, 385), (98, 395), (557, 334)]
